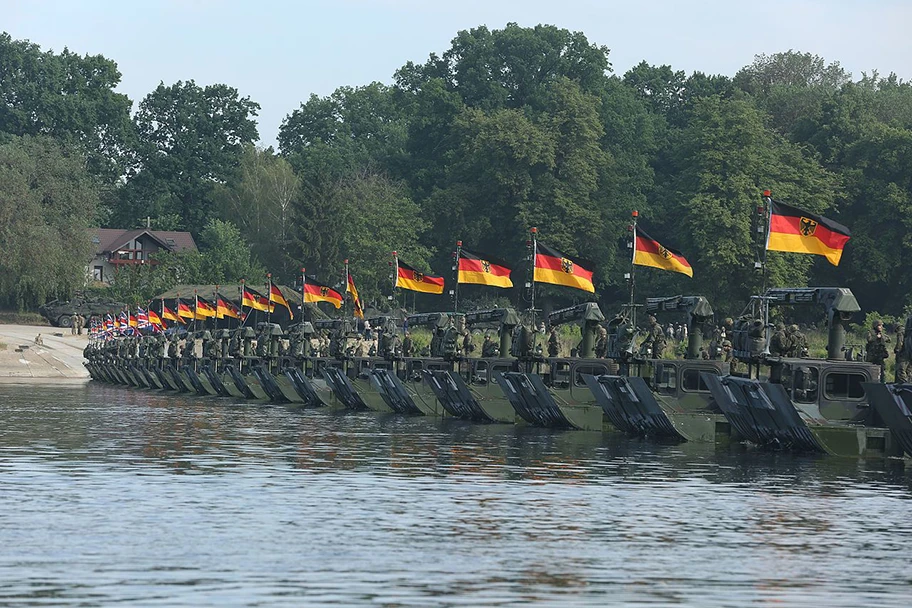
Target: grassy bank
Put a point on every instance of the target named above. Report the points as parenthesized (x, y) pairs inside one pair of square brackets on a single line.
[(22, 318)]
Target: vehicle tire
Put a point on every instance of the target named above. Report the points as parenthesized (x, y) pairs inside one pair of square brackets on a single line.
[(65, 321)]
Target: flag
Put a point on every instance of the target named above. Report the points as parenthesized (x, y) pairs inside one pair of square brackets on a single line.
[(254, 299), (482, 269), (204, 309), (797, 231), (133, 322), (649, 252), (183, 310), (142, 318), (276, 295), (315, 292), (226, 308), (109, 323), (350, 288), (552, 266), (415, 280), (169, 314), (155, 320)]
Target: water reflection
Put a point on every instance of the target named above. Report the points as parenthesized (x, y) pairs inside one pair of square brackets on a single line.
[(111, 494)]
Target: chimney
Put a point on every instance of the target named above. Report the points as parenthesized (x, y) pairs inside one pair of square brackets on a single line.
[(148, 222)]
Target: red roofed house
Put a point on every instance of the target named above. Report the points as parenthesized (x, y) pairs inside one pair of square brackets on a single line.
[(116, 248)]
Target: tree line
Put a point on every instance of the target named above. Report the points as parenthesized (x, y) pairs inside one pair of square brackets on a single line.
[(504, 130)]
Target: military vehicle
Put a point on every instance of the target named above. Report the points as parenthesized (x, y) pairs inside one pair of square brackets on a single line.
[(802, 403), (61, 314)]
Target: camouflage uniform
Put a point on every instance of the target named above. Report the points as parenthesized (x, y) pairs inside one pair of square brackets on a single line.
[(655, 337), (553, 343), (796, 343), (489, 348), (601, 343), (779, 341), (903, 352), (876, 348)]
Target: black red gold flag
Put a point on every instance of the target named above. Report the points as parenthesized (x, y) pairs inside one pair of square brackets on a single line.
[(552, 266), (415, 280), (482, 269), (797, 231), (649, 252), (315, 292)]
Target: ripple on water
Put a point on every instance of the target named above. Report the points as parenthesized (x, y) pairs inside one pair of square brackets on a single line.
[(114, 495)]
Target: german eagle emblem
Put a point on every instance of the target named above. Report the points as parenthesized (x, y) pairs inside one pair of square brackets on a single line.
[(807, 226), (663, 251), (567, 265), (419, 277), (486, 265), (324, 291)]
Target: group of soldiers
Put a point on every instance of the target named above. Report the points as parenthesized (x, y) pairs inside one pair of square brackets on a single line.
[(877, 350), (788, 341)]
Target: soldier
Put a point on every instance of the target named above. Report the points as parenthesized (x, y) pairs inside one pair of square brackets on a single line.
[(903, 352), (655, 337), (797, 345), (779, 341), (467, 345), (74, 320), (407, 345), (601, 343), (876, 347), (553, 343), (489, 347)]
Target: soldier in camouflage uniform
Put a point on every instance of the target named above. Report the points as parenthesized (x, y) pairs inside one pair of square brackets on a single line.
[(655, 337), (796, 343), (876, 347), (903, 352), (779, 341)]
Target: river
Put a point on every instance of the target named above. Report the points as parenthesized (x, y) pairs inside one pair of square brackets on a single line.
[(114, 495)]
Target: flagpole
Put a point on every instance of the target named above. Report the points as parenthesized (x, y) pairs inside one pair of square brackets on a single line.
[(303, 291), (216, 306), (395, 277), (457, 255), (764, 303), (269, 297), (241, 299), (633, 231), (345, 296), (196, 305), (534, 232)]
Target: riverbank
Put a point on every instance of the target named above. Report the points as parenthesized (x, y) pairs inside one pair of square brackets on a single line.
[(57, 359)]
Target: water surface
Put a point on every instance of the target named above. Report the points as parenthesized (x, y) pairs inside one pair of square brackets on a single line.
[(115, 495)]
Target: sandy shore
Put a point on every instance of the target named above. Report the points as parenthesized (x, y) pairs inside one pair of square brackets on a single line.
[(59, 359)]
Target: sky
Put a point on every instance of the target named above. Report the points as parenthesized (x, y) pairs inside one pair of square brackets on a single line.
[(279, 53)]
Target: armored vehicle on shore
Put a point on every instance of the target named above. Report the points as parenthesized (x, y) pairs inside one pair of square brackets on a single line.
[(61, 314)]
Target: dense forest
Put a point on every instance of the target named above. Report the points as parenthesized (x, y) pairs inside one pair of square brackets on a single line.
[(504, 130)]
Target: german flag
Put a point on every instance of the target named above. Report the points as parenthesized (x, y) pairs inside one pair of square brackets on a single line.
[(276, 295), (154, 319), (226, 308), (415, 280), (798, 231), (169, 314), (133, 320), (315, 292), (649, 252), (254, 299), (552, 266), (482, 269), (350, 288), (183, 310), (204, 309)]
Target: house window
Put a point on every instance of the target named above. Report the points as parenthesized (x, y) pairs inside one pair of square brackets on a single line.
[(98, 273)]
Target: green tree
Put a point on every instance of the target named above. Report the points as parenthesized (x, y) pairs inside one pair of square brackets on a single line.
[(190, 139), (726, 157), (47, 204), (68, 97), (259, 200)]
